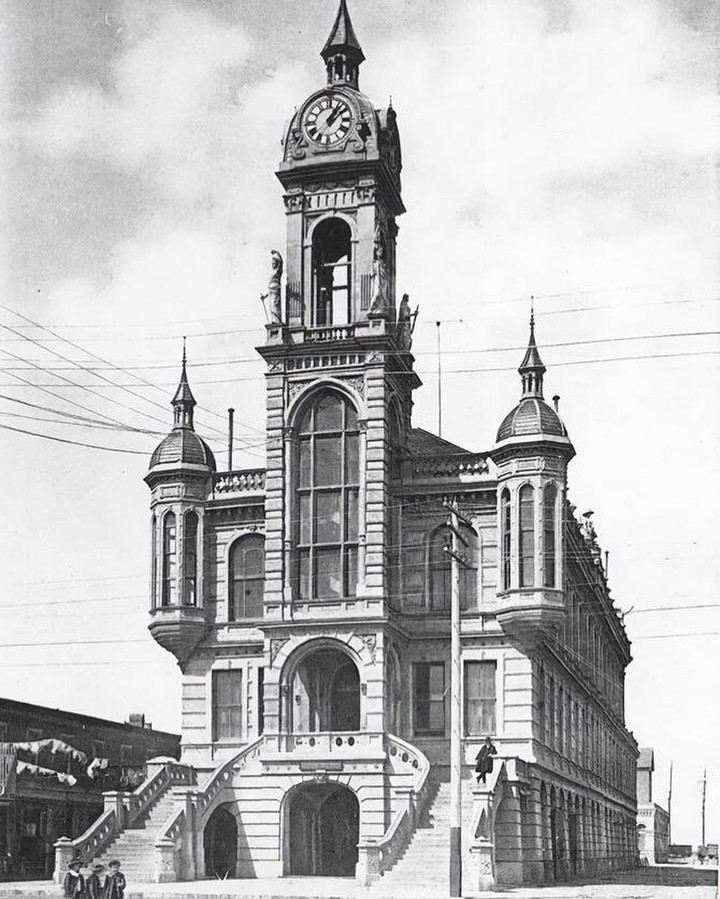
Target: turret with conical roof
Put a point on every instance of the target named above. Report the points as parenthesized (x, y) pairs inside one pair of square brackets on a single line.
[(532, 452), (180, 478), (342, 51)]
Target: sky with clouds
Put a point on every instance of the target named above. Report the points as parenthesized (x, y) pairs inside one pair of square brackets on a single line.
[(564, 149)]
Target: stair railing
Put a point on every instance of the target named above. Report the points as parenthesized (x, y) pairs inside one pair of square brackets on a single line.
[(375, 856), (176, 851), (122, 810)]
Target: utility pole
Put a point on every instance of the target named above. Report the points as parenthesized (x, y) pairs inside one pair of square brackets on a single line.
[(439, 380), (703, 804), (670, 806), (456, 749)]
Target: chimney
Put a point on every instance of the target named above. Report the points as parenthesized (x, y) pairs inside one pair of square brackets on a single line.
[(556, 402), (137, 719)]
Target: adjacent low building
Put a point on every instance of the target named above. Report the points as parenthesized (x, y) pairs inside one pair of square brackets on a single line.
[(653, 821), (54, 767)]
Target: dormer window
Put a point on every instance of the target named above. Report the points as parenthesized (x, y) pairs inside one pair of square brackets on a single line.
[(332, 256)]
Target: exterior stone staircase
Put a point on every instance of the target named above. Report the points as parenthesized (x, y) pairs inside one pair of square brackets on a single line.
[(134, 848)]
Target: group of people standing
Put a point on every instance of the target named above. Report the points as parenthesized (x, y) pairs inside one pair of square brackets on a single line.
[(95, 885)]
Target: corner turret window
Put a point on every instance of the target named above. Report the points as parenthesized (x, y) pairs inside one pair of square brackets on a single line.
[(169, 560), (549, 497), (153, 561), (190, 557), (331, 265), (328, 473), (526, 555), (506, 529), (247, 578)]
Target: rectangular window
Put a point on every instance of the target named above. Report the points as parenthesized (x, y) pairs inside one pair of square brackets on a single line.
[(480, 698), (98, 749), (33, 734), (429, 698), (261, 701), (126, 753), (227, 704)]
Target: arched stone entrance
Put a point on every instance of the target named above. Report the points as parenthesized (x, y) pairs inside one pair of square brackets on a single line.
[(220, 839), (325, 692), (322, 829)]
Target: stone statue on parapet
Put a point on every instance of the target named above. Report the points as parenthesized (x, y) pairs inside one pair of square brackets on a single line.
[(274, 291), (404, 323)]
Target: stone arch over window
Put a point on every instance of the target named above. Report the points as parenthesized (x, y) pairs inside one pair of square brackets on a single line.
[(246, 577), (331, 272), (323, 683), (168, 596), (326, 492)]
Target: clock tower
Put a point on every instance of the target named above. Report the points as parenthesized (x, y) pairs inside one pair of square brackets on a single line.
[(341, 173), (339, 375)]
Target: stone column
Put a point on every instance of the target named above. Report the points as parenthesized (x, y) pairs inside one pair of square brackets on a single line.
[(362, 506)]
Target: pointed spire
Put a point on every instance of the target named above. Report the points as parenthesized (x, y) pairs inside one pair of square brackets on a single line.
[(342, 51), (532, 368), (183, 401)]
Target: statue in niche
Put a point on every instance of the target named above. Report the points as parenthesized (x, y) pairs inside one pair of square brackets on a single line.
[(587, 529), (274, 289), (380, 274), (404, 323)]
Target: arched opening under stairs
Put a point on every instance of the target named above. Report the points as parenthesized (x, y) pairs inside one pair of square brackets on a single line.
[(322, 829), (220, 839), (326, 693)]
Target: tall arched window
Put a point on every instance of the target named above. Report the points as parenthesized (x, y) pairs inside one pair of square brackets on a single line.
[(506, 537), (549, 497), (328, 472), (169, 560), (246, 578), (441, 569), (526, 528), (190, 557), (153, 562), (331, 265)]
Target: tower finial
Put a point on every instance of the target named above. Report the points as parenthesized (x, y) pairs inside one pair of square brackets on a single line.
[(183, 401), (532, 368), (342, 51)]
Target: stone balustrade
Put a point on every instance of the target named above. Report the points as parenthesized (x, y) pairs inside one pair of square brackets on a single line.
[(451, 465), (334, 332), (88, 845), (322, 743), (251, 480)]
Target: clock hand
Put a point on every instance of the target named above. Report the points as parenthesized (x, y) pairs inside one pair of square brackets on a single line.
[(333, 115)]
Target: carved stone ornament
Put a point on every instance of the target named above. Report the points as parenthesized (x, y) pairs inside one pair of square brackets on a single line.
[(296, 387), (294, 202), (297, 145), (371, 644), (276, 644), (275, 366), (357, 382), (288, 432), (365, 193)]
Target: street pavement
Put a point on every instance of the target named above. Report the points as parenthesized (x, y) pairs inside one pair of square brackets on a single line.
[(661, 882)]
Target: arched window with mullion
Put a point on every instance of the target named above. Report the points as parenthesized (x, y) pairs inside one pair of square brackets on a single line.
[(526, 529), (327, 499), (190, 559), (246, 578), (441, 569), (549, 552), (169, 560)]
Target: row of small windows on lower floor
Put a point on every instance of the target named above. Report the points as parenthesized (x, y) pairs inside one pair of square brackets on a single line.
[(429, 706)]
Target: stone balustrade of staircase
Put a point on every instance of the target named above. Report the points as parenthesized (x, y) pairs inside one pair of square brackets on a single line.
[(411, 770), (123, 812)]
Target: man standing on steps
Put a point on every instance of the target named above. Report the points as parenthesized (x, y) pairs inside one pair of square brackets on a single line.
[(483, 760), (115, 882)]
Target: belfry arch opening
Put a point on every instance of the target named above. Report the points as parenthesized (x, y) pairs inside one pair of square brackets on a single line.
[(331, 268), (325, 693), (322, 829)]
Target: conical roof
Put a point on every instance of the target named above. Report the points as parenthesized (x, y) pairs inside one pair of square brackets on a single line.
[(342, 35)]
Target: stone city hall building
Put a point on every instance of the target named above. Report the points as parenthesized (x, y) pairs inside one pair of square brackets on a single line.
[(307, 602)]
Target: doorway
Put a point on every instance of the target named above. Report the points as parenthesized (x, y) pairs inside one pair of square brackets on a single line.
[(322, 831), (221, 844)]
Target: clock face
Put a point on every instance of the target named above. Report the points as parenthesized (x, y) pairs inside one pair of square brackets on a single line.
[(327, 120)]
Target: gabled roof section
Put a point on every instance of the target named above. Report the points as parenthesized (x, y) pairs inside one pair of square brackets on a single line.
[(423, 443)]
